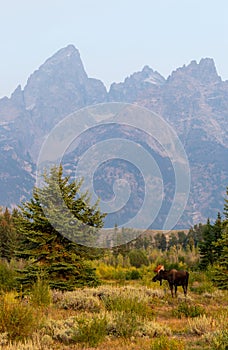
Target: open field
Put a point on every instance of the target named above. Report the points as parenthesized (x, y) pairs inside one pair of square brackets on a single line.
[(125, 317)]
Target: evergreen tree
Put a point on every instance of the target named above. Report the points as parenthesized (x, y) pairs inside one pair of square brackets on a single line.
[(209, 250), (221, 246), (205, 246), (173, 241), (138, 258), (50, 242), (8, 235), (221, 270), (160, 241), (195, 235), (182, 239), (217, 230), (225, 212)]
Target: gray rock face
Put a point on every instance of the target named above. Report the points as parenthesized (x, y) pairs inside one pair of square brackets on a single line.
[(193, 99), (59, 87), (139, 85)]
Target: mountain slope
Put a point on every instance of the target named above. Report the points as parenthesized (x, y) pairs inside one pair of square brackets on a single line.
[(193, 99)]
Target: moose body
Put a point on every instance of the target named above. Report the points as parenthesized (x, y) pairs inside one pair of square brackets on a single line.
[(174, 277)]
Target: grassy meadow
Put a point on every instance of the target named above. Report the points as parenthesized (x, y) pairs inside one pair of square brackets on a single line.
[(122, 313), (57, 294)]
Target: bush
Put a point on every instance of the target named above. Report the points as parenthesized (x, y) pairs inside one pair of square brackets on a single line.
[(201, 325), (61, 330), (16, 319), (202, 287), (123, 324), (218, 340), (127, 324), (200, 283), (165, 343), (107, 272), (138, 258), (133, 275), (90, 332), (7, 277), (187, 310), (79, 301), (130, 305), (40, 293), (152, 329)]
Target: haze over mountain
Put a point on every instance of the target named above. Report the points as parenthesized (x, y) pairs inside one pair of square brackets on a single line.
[(193, 99)]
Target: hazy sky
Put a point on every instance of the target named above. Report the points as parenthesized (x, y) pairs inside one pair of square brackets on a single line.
[(115, 37)]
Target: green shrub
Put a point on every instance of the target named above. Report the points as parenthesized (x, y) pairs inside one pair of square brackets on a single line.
[(7, 277), (138, 258), (130, 305), (120, 273), (200, 283), (61, 330), (79, 301), (16, 319), (106, 272), (218, 340), (125, 324), (203, 287), (152, 329), (164, 343), (201, 325), (40, 293), (133, 275), (91, 332), (184, 309)]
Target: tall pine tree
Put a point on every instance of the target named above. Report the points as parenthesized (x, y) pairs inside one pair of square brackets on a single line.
[(205, 246), (221, 270), (8, 235), (50, 235), (217, 230)]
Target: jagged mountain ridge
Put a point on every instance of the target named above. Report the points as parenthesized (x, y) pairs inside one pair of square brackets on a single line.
[(193, 99)]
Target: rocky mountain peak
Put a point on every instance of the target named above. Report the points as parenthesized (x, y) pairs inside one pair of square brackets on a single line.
[(17, 96), (208, 70), (67, 57), (146, 75), (133, 86), (64, 52), (61, 84), (151, 76), (62, 71), (203, 72)]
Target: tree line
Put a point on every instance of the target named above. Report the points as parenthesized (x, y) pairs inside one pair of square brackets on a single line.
[(29, 236)]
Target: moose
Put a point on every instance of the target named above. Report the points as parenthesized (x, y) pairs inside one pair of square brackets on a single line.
[(174, 277)]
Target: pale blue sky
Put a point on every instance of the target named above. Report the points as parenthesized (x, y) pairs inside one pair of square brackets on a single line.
[(115, 38)]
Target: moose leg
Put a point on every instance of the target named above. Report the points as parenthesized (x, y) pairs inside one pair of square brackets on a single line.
[(171, 288), (184, 289), (175, 290)]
